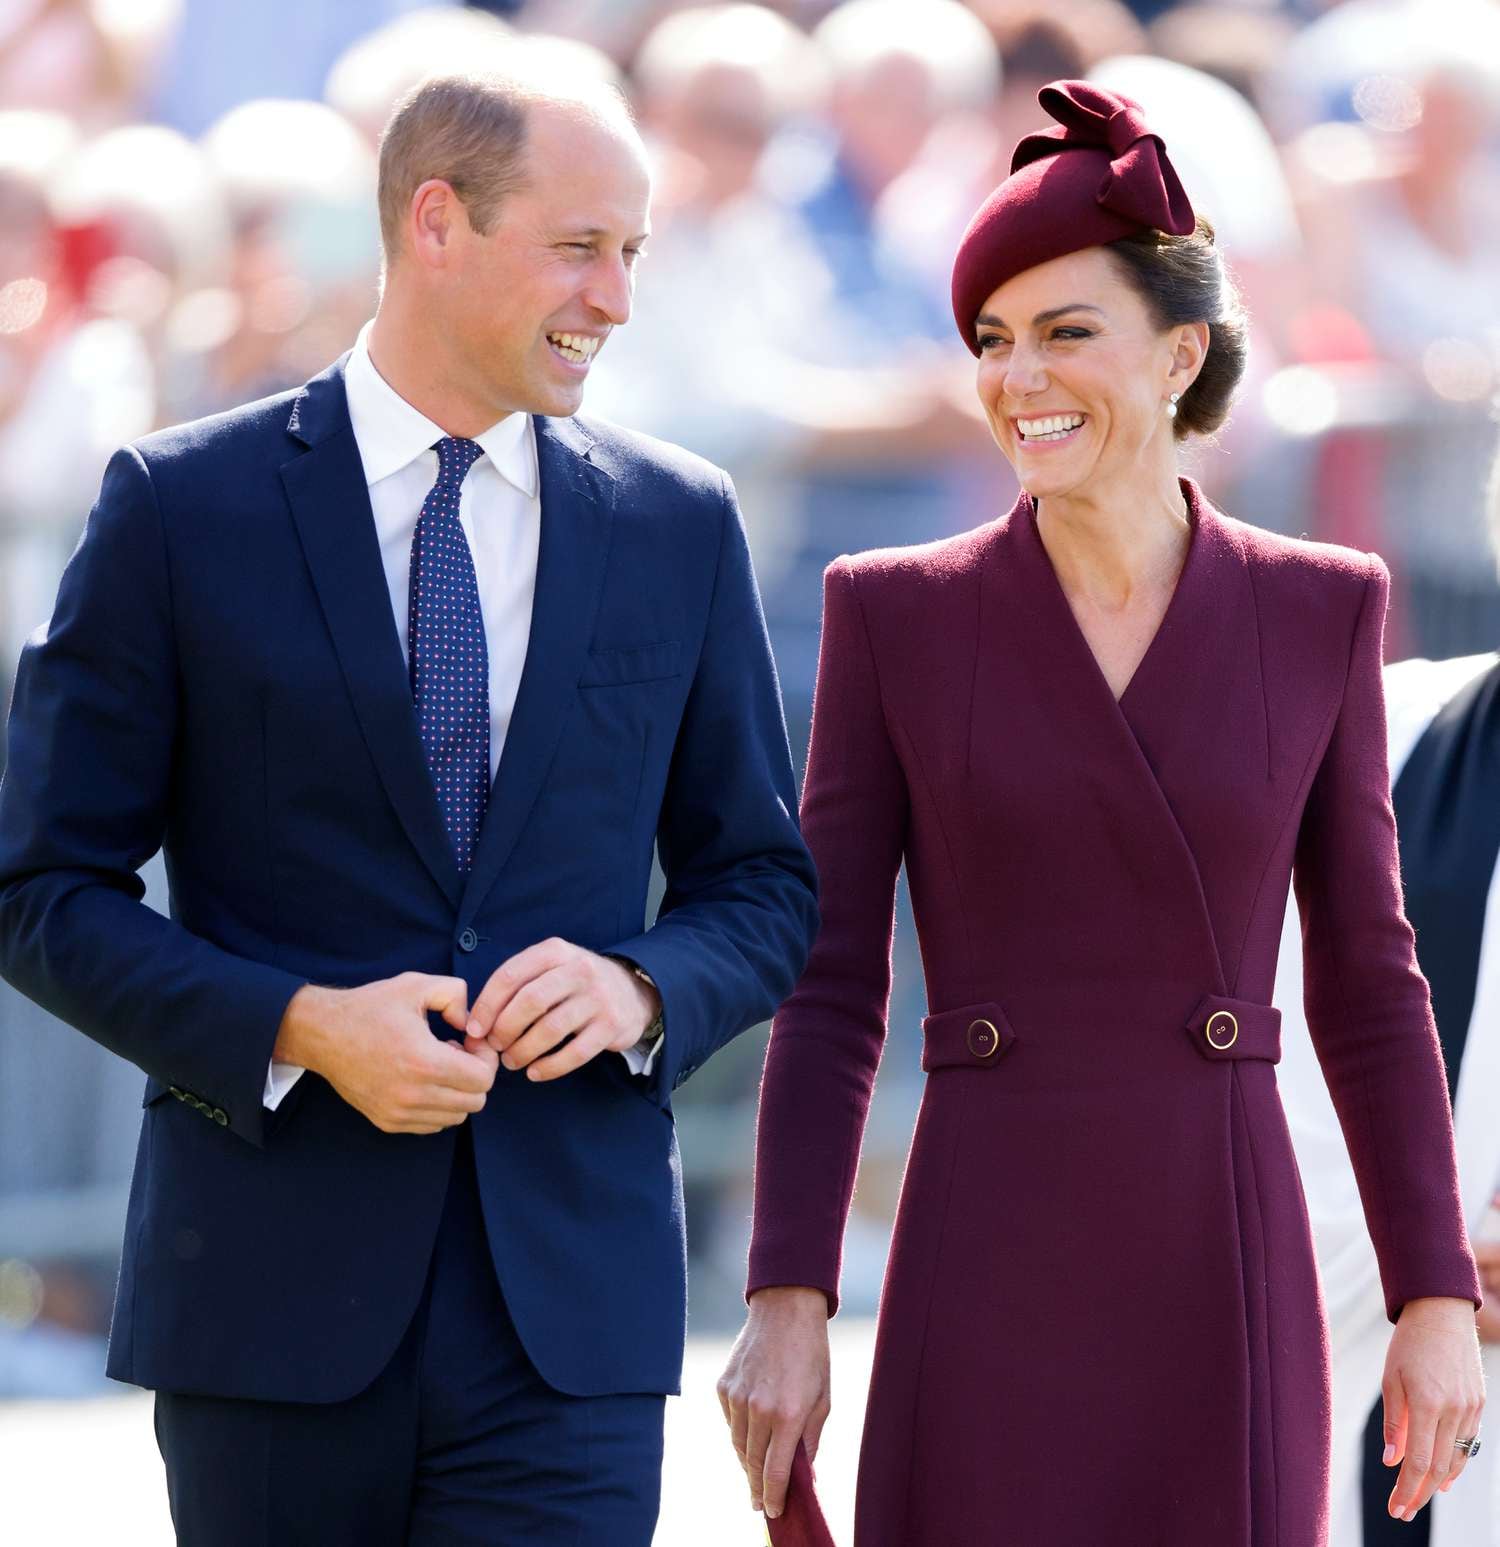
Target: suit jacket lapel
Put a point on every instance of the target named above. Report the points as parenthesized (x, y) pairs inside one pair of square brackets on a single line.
[(577, 511), (330, 502), (1475, 1131), (1444, 785)]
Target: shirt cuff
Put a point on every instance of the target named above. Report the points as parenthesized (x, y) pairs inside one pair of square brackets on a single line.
[(280, 1078), (642, 1062)]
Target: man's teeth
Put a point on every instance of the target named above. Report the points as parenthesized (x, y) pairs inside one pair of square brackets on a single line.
[(574, 346), (1054, 428)]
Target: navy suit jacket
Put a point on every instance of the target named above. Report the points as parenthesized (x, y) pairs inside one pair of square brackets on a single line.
[(222, 678)]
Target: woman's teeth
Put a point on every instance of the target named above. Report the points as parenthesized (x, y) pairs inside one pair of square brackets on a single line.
[(574, 346), (1058, 427)]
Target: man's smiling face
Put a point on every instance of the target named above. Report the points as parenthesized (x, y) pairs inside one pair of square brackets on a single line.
[(532, 300)]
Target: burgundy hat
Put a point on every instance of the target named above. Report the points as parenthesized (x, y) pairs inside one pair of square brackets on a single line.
[(1100, 176)]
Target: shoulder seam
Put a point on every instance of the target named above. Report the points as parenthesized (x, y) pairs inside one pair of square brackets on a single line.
[(161, 532)]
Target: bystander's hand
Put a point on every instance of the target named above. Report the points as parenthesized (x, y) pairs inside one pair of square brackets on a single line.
[(1487, 1255), (1488, 1320)]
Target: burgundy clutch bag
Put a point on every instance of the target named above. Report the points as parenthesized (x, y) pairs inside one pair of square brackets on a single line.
[(801, 1523)]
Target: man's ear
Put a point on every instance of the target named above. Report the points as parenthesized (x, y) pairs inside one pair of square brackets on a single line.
[(433, 216)]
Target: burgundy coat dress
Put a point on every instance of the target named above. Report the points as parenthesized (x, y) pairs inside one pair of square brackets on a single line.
[(1101, 1324)]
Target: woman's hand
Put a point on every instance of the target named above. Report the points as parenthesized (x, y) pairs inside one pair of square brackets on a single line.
[(1433, 1391), (775, 1388)]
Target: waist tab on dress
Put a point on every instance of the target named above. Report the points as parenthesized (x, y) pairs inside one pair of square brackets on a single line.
[(1235, 1028), (970, 1037)]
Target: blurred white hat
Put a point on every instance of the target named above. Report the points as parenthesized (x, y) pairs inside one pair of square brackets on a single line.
[(1223, 153), (371, 76), (158, 183)]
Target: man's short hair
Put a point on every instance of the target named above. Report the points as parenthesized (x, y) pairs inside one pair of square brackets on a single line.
[(470, 131)]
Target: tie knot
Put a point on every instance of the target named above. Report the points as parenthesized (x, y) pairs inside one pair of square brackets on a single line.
[(455, 457)]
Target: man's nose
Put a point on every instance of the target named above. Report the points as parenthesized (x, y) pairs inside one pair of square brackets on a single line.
[(610, 291)]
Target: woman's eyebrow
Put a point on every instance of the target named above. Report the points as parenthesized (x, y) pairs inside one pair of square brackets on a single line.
[(989, 320)]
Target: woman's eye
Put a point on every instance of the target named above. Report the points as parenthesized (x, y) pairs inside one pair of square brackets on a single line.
[(1071, 333), (989, 342)]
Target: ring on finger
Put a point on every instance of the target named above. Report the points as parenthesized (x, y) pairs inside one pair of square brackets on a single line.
[(1470, 1447)]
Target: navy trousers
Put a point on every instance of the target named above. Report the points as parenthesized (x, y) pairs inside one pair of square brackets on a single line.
[(458, 1443)]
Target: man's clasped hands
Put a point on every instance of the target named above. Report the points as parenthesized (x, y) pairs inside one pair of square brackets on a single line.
[(549, 1009)]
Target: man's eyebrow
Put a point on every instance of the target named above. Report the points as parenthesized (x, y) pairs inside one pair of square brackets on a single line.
[(990, 320), (593, 233)]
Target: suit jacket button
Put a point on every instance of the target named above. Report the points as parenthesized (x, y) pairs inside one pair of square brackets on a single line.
[(468, 940), (982, 1038)]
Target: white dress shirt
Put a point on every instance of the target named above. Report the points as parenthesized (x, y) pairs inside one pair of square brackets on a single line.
[(500, 510)]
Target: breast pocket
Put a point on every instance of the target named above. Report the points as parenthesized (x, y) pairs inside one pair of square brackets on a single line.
[(632, 663)]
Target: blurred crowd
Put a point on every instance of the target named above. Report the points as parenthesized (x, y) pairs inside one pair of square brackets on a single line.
[(187, 221)]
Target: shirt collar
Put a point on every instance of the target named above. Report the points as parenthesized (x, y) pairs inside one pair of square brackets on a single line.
[(390, 433)]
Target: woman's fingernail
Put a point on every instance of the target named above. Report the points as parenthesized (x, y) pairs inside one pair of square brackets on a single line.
[(772, 1514), (1390, 1455)]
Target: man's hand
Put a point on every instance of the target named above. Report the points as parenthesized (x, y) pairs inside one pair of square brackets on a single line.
[(374, 1046), (554, 1006)]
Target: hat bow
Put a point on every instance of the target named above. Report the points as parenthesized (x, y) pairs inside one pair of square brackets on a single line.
[(1141, 184)]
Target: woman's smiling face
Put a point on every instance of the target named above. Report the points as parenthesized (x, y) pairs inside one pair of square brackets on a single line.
[(1075, 376)]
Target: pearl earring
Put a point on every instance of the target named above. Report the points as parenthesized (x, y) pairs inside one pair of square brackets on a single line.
[(1172, 406)]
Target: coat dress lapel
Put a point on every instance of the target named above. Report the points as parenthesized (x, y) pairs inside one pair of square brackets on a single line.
[(1198, 714), (1119, 757)]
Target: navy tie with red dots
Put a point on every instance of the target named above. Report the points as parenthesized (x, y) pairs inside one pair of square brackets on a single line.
[(450, 667)]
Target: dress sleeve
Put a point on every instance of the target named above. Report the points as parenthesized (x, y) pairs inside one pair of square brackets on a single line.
[(1368, 1007), (827, 1038)]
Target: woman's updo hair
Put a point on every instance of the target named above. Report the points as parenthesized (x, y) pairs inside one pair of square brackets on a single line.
[(1184, 279)]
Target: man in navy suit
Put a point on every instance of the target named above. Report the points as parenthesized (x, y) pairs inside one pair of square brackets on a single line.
[(405, 671)]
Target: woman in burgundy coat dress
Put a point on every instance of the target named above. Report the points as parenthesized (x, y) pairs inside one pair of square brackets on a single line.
[(1103, 731)]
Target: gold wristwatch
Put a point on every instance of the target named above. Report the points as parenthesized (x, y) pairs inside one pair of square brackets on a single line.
[(657, 1029)]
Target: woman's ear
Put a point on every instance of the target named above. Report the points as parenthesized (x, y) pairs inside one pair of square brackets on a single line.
[(1189, 349)]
